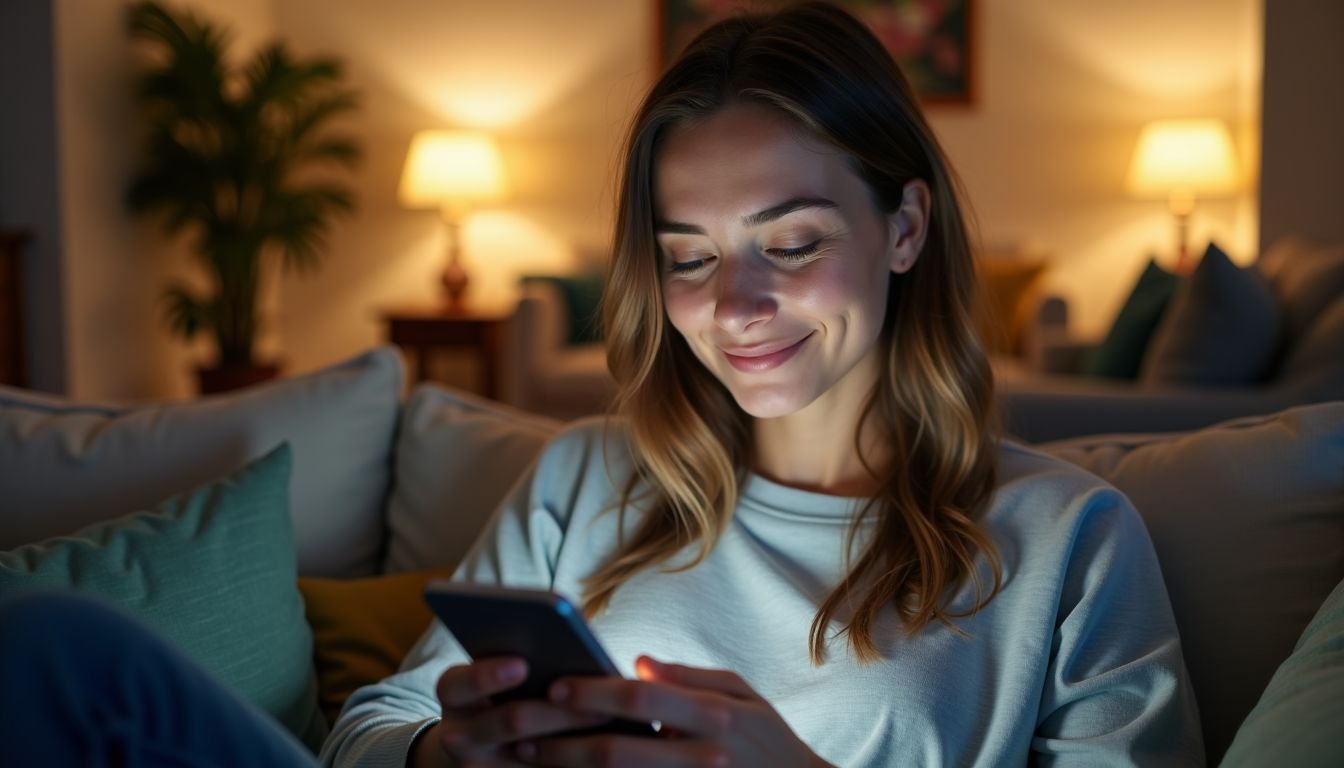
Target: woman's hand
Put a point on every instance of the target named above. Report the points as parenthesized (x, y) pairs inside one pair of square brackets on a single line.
[(709, 717), (475, 732)]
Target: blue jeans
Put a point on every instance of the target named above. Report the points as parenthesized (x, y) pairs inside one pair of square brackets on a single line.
[(82, 684)]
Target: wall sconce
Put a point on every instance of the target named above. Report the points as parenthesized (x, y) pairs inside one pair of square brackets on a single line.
[(1179, 159), (452, 171)]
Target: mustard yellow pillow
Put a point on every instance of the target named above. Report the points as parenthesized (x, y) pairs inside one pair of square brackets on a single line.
[(362, 629), (1006, 285)]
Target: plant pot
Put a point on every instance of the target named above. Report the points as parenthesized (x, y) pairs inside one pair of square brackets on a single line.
[(226, 378)]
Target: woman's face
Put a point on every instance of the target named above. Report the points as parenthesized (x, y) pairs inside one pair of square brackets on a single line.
[(775, 260)]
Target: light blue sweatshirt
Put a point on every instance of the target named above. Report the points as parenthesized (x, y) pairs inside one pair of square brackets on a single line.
[(1075, 662)]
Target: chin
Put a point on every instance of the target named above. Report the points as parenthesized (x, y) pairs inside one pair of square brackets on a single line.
[(770, 402)]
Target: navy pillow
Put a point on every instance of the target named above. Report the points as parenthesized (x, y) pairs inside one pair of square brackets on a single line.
[(1222, 328), (1120, 355)]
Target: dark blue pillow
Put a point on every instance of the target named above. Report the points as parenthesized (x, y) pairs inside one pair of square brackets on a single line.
[(1121, 353)]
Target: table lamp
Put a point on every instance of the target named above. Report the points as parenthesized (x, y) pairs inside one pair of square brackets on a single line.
[(452, 171), (1179, 159)]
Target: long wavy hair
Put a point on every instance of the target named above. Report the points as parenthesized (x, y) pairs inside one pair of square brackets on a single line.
[(932, 403)]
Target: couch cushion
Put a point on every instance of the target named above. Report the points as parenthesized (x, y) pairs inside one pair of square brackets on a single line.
[(1314, 367), (1296, 722), (362, 629), (1120, 353), (67, 465), (1306, 279), (1248, 522), (1222, 328), (213, 571), (457, 456)]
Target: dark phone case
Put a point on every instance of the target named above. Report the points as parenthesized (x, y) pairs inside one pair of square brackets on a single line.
[(541, 627)]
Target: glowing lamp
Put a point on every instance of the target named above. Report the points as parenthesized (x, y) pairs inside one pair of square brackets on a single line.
[(452, 171), (1180, 160)]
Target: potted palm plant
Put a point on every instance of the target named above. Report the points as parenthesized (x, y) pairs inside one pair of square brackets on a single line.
[(238, 156)]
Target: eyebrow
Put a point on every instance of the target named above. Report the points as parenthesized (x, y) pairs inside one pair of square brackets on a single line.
[(752, 220)]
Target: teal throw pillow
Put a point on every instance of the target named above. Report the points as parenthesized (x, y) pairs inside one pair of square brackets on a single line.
[(1298, 717), (583, 300), (1121, 353), (213, 570)]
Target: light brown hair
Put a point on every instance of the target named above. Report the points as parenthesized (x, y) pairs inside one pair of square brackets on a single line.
[(932, 404)]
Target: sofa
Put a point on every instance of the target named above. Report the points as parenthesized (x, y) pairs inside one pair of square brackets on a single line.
[(1229, 342), (281, 535)]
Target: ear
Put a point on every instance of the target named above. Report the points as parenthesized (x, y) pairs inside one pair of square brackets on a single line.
[(908, 225)]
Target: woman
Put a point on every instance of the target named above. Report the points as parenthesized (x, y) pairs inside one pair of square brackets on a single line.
[(803, 511)]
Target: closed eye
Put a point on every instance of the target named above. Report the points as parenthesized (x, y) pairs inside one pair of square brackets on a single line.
[(688, 267), (795, 254)]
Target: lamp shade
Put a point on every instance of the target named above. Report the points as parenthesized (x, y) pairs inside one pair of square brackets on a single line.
[(451, 168), (1184, 157)]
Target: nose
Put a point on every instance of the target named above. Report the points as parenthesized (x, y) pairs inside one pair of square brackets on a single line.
[(744, 296)]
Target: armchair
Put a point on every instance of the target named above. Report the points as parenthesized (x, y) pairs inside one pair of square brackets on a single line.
[(543, 372)]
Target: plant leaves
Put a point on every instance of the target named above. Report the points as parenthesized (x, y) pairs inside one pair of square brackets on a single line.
[(184, 313)]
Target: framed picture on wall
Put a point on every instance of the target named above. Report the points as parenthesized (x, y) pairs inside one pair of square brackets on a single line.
[(933, 41)]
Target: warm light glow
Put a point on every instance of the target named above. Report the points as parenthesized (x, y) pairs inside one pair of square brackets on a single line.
[(1183, 158), (451, 169)]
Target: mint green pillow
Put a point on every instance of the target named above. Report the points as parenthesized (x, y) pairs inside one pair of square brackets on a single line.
[(1297, 720), (213, 570), (1121, 353)]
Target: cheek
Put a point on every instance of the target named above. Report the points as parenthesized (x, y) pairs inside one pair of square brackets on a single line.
[(837, 290), (682, 306)]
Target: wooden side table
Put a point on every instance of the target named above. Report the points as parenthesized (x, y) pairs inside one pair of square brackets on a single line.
[(422, 330)]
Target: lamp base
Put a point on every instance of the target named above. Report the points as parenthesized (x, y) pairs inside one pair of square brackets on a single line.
[(1185, 264), (454, 280)]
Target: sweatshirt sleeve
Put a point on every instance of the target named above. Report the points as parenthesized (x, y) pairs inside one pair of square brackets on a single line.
[(380, 722), (1116, 691)]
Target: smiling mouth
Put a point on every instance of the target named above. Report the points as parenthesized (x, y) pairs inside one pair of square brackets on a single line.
[(749, 361)]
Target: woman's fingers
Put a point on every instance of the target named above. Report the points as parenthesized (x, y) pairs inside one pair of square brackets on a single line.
[(517, 720), (468, 685), (684, 709), (720, 680), (620, 751)]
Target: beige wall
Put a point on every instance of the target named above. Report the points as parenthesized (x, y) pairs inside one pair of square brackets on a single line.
[(114, 268), (555, 82), (1302, 191), (1064, 90)]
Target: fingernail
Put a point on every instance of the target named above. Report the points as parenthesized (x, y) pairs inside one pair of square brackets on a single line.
[(559, 692), (525, 750), (511, 672)]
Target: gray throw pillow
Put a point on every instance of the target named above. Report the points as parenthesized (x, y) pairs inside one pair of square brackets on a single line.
[(457, 457), (1248, 522), (1223, 328), (1306, 278), (1314, 367), (65, 465)]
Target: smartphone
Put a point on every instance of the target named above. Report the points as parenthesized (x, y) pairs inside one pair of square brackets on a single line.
[(541, 627)]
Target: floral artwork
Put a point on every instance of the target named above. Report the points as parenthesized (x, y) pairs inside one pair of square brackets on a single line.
[(930, 39)]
